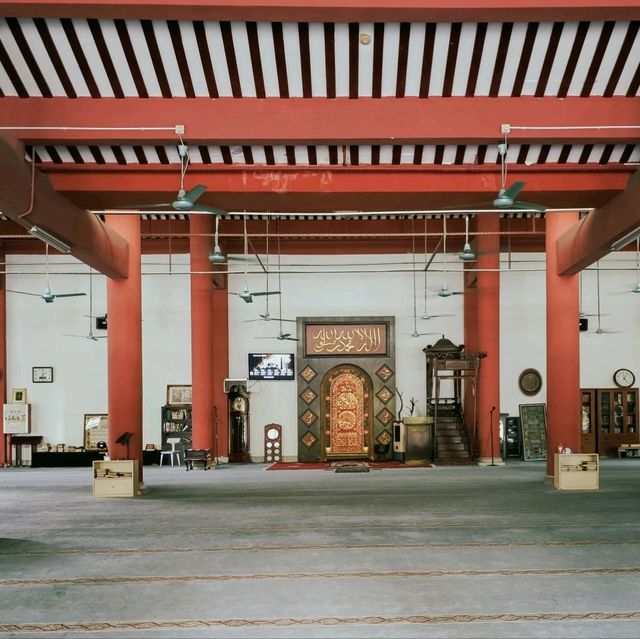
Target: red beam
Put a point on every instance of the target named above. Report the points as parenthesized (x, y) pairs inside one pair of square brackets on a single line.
[(91, 241), (590, 239), (454, 120), (329, 10), (336, 188)]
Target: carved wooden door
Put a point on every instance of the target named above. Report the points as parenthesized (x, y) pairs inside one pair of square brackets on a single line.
[(347, 408)]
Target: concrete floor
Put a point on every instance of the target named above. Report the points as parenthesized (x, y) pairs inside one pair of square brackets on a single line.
[(240, 552)]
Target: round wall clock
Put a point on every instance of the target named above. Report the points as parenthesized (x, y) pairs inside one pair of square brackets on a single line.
[(624, 378), (530, 381)]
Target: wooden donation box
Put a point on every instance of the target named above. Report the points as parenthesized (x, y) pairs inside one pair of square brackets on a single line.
[(17, 419), (17, 424), (576, 472), (116, 478)]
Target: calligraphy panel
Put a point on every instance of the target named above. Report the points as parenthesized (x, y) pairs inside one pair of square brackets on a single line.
[(338, 340), (533, 419)]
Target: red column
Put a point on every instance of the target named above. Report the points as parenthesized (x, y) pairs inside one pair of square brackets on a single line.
[(221, 368), (488, 332), (563, 346), (124, 355), (202, 361), (5, 450), (470, 302)]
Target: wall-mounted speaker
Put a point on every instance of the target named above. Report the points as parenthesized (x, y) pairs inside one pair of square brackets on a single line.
[(584, 324)]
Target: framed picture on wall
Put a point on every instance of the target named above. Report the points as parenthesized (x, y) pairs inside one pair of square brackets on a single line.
[(179, 395), (18, 395), (42, 374), (96, 429)]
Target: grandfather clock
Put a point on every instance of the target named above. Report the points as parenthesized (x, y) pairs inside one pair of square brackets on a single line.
[(238, 399)]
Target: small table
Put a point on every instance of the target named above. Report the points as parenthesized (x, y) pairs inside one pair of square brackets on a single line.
[(197, 456)]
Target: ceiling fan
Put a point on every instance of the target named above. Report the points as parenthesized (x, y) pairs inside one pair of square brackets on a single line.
[(216, 256), (246, 294), (281, 334), (90, 335), (47, 295), (266, 316), (600, 330), (507, 196), (636, 288), (445, 291), (415, 294), (186, 201), (427, 263), (467, 254)]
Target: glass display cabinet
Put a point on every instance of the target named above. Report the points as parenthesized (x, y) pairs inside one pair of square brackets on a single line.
[(617, 419)]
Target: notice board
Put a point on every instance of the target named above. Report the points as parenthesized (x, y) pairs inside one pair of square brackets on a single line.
[(533, 420)]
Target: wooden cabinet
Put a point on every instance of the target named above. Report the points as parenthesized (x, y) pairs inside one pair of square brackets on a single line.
[(618, 419), (176, 423), (576, 472), (116, 478), (609, 419)]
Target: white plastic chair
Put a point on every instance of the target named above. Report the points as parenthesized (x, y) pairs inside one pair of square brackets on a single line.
[(173, 452)]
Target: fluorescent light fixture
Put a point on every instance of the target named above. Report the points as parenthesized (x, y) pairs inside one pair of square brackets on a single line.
[(625, 239), (50, 239)]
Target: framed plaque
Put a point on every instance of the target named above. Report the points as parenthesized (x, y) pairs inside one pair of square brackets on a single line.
[(42, 374), (96, 429), (533, 421), (341, 339), (179, 395)]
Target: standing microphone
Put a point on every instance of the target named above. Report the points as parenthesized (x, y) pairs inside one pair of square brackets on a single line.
[(491, 433)]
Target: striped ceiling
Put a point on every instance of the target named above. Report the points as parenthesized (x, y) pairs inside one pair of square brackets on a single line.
[(351, 154), (75, 57), (155, 58)]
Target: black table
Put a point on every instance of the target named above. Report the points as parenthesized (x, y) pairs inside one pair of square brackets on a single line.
[(54, 460), (86, 458)]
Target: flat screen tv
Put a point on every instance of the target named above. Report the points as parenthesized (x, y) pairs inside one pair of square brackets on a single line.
[(271, 366)]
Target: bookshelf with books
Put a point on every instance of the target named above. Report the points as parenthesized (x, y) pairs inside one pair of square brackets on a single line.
[(176, 423)]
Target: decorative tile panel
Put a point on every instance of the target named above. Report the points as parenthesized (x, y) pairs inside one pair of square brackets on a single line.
[(309, 439), (308, 417), (384, 373), (307, 373), (308, 395), (384, 394), (384, 438), (385, 416)]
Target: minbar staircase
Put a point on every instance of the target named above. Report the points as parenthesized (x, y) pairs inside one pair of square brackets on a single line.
[(452, 440)]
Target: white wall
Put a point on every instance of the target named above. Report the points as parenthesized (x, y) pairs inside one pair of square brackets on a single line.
[(35, 331), (36, 337)]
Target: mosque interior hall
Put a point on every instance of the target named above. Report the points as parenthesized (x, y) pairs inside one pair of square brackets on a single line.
[(319, 319)]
